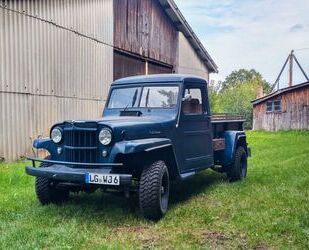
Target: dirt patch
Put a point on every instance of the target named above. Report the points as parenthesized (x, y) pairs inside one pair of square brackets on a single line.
[(129, 229), (146, 236), (218, 240), (215, 238), (261, 246)]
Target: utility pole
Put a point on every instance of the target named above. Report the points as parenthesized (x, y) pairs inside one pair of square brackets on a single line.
[(290, 59), (291, 69)]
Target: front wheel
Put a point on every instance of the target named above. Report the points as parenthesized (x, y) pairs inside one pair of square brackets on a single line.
[(238, 170), (154, 190), (47, 191)]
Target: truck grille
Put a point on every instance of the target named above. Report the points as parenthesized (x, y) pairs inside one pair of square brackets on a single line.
[(80, 145), (80, 138)]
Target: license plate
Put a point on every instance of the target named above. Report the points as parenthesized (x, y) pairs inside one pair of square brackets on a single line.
[(103, 179)]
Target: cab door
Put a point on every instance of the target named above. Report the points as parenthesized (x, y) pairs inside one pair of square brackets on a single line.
[(194, 130)]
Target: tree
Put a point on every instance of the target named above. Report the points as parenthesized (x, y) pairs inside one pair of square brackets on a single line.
[(237, 100), (236, 93), (213, 93), (242, 76)]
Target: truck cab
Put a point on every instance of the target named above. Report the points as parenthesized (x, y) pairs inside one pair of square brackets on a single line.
[(154, 129)]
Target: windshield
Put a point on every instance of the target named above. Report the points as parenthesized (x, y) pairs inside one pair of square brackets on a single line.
[(124, 98), (146, 97)]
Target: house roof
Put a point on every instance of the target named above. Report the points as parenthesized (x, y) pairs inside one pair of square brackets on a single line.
[(182, 25), (280, 92), (161, 78)]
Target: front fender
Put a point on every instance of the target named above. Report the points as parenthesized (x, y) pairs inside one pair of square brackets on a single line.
[(147, 146), (136, 146), (231, 140), (44, 143)]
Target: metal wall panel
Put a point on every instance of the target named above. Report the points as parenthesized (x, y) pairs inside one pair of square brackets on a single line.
[(37, 57), (50, 71), (91, 18), (188, 61), (25, 117)]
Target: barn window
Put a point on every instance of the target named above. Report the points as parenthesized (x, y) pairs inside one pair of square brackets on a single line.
[(273, 106), (269, 106), (277, 105)]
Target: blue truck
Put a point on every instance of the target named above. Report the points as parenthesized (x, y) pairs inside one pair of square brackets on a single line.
[(154, 129)]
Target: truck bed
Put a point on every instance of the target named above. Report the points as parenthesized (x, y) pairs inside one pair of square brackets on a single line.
[(223, 122)]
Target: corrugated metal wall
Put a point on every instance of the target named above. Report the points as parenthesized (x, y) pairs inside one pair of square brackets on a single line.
[(188, 61), (56, 62)]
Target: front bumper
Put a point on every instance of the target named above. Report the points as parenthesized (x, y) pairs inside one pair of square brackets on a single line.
[(61, 171)]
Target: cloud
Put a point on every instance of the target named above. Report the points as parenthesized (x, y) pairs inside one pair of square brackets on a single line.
[(250, 34), (296, 27)]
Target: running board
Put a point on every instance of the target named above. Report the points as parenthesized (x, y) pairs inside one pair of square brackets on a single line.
[(187, 175)]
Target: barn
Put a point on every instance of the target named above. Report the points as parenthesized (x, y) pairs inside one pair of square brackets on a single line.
[(285, 109), (58, 58)]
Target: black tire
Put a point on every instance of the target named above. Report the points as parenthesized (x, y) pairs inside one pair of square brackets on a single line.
[(154, 190), (47, 190), (238, 170)]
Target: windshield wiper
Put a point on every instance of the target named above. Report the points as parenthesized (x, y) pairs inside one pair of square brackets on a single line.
[(124, 112), (125, 109), (147, 98), (134, 98)]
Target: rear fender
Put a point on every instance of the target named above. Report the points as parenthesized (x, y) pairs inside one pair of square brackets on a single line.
[(233, 139)]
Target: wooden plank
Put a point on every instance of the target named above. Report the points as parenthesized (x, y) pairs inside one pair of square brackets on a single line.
[(218, 144), (125, 65), (143, 28)]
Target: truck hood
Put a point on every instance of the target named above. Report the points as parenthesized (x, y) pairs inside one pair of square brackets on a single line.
[(133, 128)]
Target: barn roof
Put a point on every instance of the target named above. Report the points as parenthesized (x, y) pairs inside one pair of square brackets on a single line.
[(180, 22), (280, 92)]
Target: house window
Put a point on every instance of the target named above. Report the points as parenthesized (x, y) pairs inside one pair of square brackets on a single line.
[(273, 106), (277, 105), (269, 106)]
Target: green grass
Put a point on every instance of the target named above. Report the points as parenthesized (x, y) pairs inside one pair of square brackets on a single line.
[(270, 209)]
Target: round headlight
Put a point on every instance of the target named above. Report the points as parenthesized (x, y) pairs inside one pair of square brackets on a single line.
[(56, 135), (105, 136)]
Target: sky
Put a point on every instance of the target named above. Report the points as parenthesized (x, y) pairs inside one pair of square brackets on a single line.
[(249, 34)]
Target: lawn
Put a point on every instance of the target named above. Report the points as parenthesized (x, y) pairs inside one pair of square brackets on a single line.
[(270, 209)]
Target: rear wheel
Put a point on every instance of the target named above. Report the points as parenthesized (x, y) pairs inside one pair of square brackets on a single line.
[(154, 190), (238, 170), (48, 191)]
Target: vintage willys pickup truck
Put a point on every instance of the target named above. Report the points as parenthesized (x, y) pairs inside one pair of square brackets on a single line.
[(154, 129)]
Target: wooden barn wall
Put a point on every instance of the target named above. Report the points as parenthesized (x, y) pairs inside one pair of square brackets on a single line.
[(142, 27), (158, 69), (294, 115), (125, 65)]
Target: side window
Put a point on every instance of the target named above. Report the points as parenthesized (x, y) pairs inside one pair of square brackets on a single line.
[(192, 102)]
